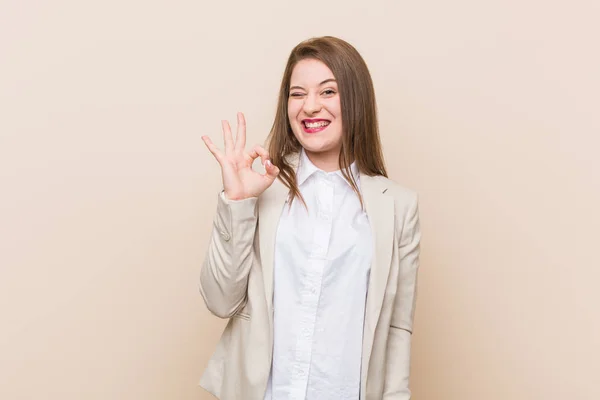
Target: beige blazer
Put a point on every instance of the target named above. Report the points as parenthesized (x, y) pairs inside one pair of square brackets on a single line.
[(236, 282)]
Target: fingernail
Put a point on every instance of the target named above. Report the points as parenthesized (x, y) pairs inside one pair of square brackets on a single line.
[(268, 163)]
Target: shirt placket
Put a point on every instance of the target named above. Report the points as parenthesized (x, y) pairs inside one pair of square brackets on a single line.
[(311, 289)]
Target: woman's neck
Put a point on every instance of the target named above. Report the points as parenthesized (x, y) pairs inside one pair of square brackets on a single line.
[(327, 161)]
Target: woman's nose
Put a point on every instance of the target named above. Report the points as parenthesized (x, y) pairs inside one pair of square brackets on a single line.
[(312, 105)]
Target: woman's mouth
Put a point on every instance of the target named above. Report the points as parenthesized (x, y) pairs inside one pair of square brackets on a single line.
[(314, 125)]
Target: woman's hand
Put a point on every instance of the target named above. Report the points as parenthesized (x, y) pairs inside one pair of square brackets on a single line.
[(240, 181)]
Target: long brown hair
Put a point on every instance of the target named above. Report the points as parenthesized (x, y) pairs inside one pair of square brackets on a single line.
[(360, 141)]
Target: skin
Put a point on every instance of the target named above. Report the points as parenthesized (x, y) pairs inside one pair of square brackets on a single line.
[(313, 95), (240, 181)]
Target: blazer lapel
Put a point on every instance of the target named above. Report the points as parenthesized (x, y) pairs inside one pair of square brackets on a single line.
[(380, 211), (270, 207)]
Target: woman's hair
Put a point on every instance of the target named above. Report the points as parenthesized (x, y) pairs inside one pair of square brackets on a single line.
[(360, 139)]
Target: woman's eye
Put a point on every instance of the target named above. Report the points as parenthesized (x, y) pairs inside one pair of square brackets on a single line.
[(329, 92), (295, 94)]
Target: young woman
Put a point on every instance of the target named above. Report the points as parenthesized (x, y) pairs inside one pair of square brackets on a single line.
[(314, 262)]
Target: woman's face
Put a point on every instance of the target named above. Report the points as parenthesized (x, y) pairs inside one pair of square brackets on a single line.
[(314, 109)]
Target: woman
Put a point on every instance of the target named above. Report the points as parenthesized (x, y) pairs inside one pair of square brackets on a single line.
[(314, 262)]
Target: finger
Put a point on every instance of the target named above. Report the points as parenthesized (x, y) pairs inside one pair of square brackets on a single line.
[(212, 148), (259, 151), (227, 137), (240, 138)]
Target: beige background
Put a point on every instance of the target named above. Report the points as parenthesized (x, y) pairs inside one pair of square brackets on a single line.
[(489, 109)]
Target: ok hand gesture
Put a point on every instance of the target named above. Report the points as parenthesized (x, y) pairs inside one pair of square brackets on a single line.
[(240, 181)]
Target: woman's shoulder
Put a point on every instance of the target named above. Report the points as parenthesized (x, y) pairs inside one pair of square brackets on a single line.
[(406, 200), (402, 194)]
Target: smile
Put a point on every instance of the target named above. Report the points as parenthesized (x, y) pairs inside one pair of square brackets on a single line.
[(314, 125)]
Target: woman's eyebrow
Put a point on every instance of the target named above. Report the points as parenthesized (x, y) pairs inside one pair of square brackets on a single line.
[(320, 84), (326, 81)]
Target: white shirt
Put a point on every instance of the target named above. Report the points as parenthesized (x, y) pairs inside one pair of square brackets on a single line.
[(321, 273)]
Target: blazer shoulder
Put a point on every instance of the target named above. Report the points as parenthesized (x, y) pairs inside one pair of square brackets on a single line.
[(404, 197), (406, 207)]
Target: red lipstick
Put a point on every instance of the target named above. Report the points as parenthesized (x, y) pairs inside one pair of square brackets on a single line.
[(314, 125)]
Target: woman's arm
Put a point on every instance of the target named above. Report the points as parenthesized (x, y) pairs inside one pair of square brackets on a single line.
[(401, 326), (224, 275)]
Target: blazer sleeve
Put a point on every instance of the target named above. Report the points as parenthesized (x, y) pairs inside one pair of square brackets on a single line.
[(229, 257), (399, 341)]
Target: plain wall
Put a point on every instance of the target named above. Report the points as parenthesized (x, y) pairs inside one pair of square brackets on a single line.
[(488, 109)]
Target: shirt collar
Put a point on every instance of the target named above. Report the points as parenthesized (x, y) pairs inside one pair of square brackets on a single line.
[(306, 168)]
